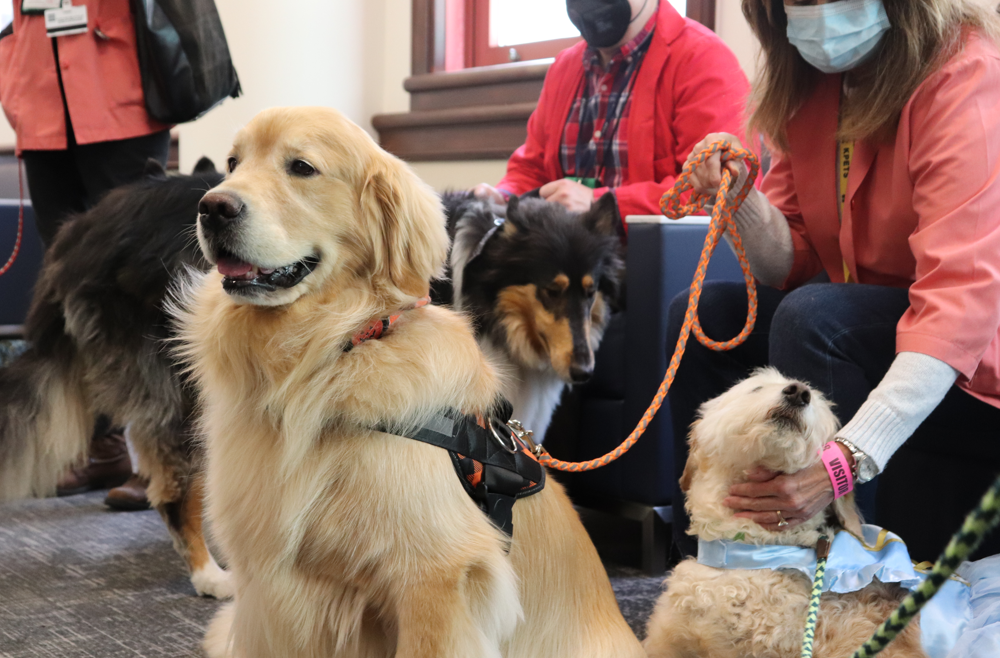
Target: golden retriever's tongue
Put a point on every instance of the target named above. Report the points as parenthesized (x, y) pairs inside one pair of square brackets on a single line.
[(233, 268)]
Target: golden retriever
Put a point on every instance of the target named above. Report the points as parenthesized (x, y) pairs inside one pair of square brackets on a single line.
[(343, 540), (781, 424)]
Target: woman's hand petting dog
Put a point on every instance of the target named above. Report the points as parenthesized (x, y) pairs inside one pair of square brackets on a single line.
[(569, 194), (770, 497)]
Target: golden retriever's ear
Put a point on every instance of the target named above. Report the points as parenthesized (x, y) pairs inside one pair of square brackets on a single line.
[(847, 514), (409, 239), (691, 466)]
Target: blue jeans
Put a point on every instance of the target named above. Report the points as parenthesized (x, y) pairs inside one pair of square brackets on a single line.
[(841, 339)]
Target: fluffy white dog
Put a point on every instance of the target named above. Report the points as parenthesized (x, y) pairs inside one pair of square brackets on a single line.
[(781, 424)]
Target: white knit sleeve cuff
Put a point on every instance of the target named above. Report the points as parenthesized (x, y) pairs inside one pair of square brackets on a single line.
[(877, 431)]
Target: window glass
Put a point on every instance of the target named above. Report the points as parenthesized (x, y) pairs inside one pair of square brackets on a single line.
[(509, 25), (548, 20)]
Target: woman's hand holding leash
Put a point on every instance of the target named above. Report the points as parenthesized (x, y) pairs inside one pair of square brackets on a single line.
[(781, 501), (707, 177)]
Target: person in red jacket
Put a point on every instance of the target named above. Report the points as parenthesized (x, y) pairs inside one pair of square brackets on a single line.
[(622, 109), (77, 106)]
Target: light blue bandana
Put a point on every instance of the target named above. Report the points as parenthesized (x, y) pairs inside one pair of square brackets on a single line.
[(853, 564)]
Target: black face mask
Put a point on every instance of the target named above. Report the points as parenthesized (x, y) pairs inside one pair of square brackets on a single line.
[(602, 23)]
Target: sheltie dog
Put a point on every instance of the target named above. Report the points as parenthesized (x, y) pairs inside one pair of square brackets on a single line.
[(538, 282)]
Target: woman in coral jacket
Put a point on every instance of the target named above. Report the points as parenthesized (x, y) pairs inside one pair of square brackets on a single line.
[(624, 107), (77, 106), (885, 183)]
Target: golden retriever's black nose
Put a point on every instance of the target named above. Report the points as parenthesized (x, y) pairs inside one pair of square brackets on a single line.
[(796, 394), (219, 209)]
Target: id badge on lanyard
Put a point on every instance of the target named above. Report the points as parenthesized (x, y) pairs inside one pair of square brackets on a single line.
[(845, 152), (61, 17), (38, 7)]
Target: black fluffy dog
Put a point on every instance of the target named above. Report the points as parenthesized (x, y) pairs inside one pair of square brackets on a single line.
[(96, 330), (537, 280)]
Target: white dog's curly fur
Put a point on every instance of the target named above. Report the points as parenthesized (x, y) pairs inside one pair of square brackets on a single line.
[(739, 613)]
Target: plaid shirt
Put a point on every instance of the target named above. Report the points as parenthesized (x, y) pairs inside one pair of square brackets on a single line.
[(603, 101)]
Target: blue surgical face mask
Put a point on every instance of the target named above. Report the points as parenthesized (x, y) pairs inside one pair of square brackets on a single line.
[(837, 36)]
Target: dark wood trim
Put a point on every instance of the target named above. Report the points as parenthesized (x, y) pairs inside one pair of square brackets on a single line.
[(475, 113), (702, 11), (11, 330), (490, 85), (464, 115), (477, 77), (428, 36), (465, 133)]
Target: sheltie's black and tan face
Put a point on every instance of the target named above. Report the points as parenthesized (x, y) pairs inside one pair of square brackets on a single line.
[(541, 285)]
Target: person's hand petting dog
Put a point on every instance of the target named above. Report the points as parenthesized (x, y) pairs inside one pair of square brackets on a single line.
[(769, 497), (487, 192), (571, 195)]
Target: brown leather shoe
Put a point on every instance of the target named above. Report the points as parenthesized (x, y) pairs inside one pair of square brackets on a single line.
[(131, 496), (108, 465)]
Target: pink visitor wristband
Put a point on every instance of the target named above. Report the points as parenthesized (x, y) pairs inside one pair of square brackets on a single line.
[(839, 471)]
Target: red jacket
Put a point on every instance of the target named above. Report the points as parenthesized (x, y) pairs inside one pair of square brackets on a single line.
[(689, 85), (100, 75)]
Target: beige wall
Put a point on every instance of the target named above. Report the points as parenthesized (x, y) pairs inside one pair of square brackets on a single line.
[(308, 52)]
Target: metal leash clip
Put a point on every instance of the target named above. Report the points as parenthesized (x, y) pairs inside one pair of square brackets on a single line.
[(525, 436)]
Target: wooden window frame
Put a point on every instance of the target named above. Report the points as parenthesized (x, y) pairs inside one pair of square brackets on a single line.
[(478, 51), (475, 113)]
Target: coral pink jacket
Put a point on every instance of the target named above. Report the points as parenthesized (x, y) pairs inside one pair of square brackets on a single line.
[(688, 86), (100, 72), (922, 212)]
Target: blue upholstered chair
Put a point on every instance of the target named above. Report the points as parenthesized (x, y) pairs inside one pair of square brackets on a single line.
[(17, 283), (630, 365)]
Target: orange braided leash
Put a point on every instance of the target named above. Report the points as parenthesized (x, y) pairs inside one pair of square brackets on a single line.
[(20, 223), (722, 220)]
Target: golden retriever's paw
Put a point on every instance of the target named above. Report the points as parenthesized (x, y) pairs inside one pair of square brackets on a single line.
[(217, 642), (212, 580)]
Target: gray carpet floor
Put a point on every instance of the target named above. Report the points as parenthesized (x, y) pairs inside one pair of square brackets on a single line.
[(80, 581)]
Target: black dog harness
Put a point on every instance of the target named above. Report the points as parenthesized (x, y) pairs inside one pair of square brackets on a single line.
[(494, 457)]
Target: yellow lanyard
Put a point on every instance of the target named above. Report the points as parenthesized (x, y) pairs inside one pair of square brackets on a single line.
[(845, 151)]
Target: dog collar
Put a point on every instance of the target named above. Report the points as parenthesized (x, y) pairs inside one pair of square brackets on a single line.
[(375, 327), (498, 222)]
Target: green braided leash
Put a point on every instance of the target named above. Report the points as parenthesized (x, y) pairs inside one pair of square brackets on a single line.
[(977, 525), (822, 552)]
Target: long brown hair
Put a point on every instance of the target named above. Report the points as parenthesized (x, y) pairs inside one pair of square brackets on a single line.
[(923, 35)]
